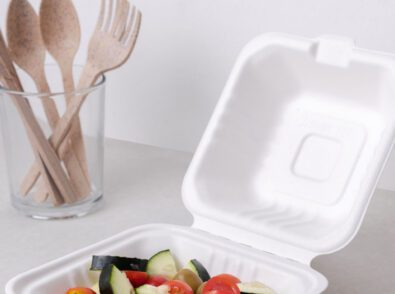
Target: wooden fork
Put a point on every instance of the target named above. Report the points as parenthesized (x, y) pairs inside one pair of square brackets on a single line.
[(112, 42), (110, 46)]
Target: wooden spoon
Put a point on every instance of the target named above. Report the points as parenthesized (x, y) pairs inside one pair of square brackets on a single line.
[(28, 51), (61, 33), (110, 46), (48, 162), (10, 80)]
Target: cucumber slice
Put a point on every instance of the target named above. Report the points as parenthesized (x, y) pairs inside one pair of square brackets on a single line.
[(255, 288), (149, 289), (163, 264), (195, 266), (113, 281), (122, 263)]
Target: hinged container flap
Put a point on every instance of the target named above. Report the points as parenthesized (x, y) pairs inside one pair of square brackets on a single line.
[(295, 147)]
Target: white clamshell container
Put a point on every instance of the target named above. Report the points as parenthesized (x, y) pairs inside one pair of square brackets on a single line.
[(284, 172)]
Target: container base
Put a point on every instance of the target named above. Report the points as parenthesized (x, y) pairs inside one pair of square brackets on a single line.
[(63, 212), (218, 255)]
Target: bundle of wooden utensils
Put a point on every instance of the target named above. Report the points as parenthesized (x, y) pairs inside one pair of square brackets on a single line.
[(61, 170)]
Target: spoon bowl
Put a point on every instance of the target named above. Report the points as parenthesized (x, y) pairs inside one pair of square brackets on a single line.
[(60, 29), (28, 50)]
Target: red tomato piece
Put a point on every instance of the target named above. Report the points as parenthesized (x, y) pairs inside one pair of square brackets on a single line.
[(137, 278), (218, 289), (156, 280), (80, 291), (178, 287), (222, 284)]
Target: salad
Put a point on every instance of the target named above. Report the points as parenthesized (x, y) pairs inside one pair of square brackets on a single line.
[(159, 275)]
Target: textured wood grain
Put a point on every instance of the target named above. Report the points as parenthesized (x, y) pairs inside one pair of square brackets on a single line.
[(61, 33), (105, 52), (47, 161), (28, 51)]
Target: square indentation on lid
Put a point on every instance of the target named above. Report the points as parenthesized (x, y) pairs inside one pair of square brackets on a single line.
[(312, 157), (317, 157)]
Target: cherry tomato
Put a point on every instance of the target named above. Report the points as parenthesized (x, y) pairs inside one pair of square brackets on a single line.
[(80, 291), (156, 280), (178, 287), (137, 278), (218, 289), (222, 284)]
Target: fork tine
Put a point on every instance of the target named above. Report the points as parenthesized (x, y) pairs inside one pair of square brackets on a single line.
[(117, 15), (124, 36), (99, 23), (109, 16), (122, 22), (133, 37)]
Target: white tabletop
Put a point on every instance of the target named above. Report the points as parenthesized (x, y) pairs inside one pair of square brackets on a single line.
[(142, 185)]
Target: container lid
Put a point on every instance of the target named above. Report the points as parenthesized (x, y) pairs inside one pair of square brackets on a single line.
[(295, 147)]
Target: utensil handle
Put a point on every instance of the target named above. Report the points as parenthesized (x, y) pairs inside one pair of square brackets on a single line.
[(48, 182), (47, 159), (47, 154), (76, 136), (77, 176), (62, 129)]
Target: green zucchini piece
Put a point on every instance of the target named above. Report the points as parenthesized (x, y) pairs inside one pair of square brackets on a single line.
[(113, 281), (255, 288), (195, 266), (163, 264), (122, 263)]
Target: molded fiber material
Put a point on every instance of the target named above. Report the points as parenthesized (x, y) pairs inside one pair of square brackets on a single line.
[(296, 145), (284, 172), (217, 254)]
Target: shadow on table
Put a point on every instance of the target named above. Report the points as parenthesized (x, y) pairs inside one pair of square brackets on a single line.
[(367, 264)]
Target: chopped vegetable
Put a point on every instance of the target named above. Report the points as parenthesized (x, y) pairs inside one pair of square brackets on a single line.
[(178, 287), (122, 263), (156, 280), (113, 281), (158, 275), (255, 288), (198, 269), (189, 277), (147, 289), (162, 263), (200, 289), (222, 284), (137, 278)]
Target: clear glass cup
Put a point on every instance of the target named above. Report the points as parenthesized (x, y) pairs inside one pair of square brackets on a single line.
[(77, 165)]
